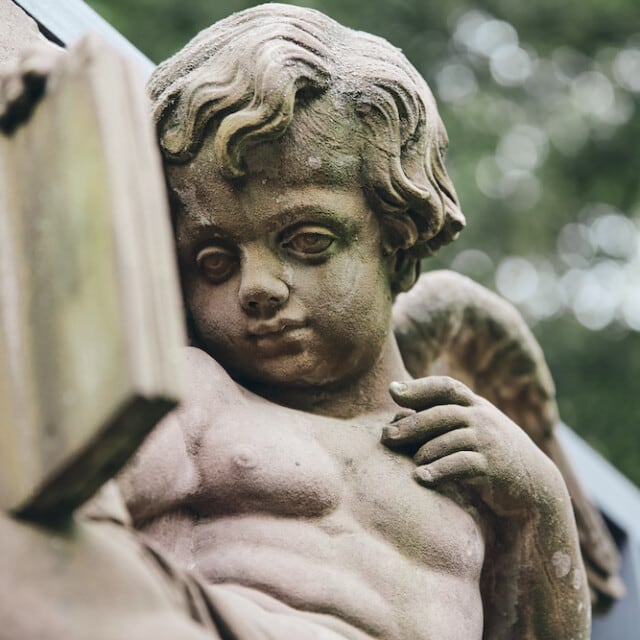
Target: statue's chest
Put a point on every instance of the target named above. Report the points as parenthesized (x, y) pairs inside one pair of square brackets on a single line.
[(263, 459), (270, 460)]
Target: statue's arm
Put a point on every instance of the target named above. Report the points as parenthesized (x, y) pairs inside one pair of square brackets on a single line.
[(534, 584)]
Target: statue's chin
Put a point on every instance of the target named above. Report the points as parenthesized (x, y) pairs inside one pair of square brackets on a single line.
[(302, 372), (299, 361)]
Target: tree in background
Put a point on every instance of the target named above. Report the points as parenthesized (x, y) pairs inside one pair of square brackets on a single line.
[(541, 102)]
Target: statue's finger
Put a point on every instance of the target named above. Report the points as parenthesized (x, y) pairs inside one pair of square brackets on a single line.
[(431, 391), (463, 439), (462, 465), (403, 413), (420, 427)]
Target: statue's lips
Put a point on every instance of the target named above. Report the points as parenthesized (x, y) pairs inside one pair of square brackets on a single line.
[(273, 327), (277, 338)]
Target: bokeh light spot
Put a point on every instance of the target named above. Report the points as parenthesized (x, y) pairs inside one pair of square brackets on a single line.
[(626, 69), (510, 65), (455, 82), (516, 279)]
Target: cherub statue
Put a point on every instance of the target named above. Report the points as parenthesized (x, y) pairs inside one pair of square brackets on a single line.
[(317, 489), (320, 489)]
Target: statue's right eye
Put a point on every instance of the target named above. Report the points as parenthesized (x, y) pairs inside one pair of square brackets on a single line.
[(216, 263)]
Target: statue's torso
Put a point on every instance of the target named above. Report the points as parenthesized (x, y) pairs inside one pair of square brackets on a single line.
[(316, 512)]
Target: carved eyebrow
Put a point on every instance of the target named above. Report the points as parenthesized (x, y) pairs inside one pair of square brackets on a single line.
[(194, 234), (333, 219), (337, 219), (193, 218)]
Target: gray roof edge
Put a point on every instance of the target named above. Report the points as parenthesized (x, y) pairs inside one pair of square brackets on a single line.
[(614, 494)]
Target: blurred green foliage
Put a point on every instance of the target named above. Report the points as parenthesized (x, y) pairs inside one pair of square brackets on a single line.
[(541, 102)]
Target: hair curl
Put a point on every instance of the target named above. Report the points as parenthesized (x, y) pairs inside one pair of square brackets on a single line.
[(242, 79)]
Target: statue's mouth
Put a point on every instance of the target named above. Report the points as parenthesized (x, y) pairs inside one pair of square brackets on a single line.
[(274, 327), (274, 339)]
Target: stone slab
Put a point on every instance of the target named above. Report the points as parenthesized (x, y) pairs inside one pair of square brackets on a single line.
[(91, 313)]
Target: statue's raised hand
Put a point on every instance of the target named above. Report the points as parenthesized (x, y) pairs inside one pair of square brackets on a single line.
[(456, 435)]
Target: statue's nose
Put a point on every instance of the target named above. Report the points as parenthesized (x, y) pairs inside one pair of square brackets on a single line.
[(264, 299), (261, 288)]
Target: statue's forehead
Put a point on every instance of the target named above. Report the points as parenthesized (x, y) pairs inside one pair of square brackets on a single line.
[(290, 162), (282, 165), (203, 197)]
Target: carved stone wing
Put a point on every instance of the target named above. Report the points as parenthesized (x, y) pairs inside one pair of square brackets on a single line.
[(449, 325)]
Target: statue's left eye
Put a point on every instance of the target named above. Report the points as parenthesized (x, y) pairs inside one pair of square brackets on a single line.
[(309, 241)]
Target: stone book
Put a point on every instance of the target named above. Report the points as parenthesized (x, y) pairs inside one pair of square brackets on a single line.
[(90, 315)]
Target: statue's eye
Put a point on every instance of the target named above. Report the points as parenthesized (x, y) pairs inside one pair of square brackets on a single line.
[(216, 263), (309, 241)]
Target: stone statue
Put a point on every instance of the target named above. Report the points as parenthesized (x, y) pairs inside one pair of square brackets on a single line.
[(323, 490), (309, 487)]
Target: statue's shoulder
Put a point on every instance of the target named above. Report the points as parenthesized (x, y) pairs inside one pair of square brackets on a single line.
[(198, 361), (204, 376)]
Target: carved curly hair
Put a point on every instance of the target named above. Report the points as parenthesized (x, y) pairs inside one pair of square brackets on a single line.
[(242, 80)]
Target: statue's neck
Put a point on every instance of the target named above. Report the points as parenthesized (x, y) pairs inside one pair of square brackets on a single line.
[(366, 394)]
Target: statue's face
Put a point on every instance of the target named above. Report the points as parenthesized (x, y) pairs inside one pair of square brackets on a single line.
[(283, 271)]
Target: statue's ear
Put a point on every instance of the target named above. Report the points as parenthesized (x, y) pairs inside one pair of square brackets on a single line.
[(404, 271)]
